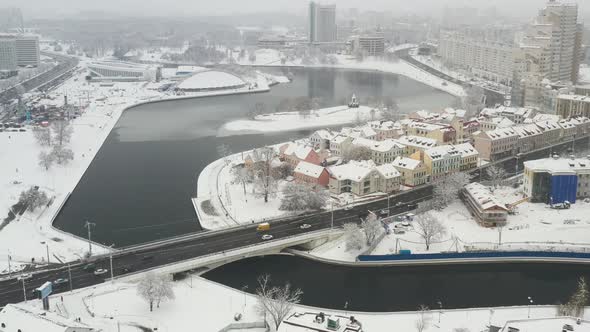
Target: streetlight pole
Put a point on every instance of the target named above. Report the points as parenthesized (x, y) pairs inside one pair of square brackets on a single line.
[(47, 247), (8, 261), (530, 304), (440, 310), (70, 277), (388, 196), (245, 297), (24, 289), (88, 225), (332, 212)]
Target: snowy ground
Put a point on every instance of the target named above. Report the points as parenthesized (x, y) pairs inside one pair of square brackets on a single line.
[(534, 227), (102, 107), (288, 121), (206, 306)]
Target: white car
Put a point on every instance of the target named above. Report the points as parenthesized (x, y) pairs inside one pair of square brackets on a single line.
[(100, 271), (267, 237), (305, 226), (25, 276)]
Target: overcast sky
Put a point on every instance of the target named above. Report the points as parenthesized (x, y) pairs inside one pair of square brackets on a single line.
[(44, 8)]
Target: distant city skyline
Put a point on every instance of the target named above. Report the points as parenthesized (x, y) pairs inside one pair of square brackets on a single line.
[(42, 8)]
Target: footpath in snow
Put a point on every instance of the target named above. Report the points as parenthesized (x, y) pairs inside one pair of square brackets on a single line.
[(211, 307), (288, 121)]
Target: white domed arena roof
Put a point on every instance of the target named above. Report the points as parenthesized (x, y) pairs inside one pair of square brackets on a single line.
[(211, 79)]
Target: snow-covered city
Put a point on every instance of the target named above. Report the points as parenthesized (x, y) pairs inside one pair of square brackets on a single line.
[(306, 166)]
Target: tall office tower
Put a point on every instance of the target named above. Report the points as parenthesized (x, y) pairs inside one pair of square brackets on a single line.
[(562, 18), (322, 23), (8, 62), (11, 18), (27, 50)]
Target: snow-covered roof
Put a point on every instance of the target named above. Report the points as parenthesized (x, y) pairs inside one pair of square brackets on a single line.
[(506, 111), (426, 126), (379, 146), (567, 124), (20, 317), (353, 170), (466, 150), (338, 139), (501, 133), (502, 122), (442, 151), (324, 134), (308, 169), (388, 171), (558, 166), (363, 131), (300, 151), (189, 69), (483, 197), (417, 141), (527, 130), (546, 117), (211, 79), (406, 163), (385, 125), (548, 125), (119, 65), (582, 98)]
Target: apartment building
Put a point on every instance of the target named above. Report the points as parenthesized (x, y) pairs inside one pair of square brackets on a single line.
[(8, 60), (386, 129), (530, 137), (568, 106), (413, 172), (440, 161), (496, 144), (27, 50), (555, 180), (416, 143), (371, 45), (382, 152), (488, 209), (363, 178), (469, 156), (443, 134)]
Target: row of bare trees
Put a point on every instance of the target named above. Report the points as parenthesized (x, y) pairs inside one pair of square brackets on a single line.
[(54, 139)]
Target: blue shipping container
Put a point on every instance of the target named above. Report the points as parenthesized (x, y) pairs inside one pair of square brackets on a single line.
[(564, 188)]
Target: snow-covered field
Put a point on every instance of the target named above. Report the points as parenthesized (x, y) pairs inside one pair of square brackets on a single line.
[(287, 121), (534, 227), (202, 305)]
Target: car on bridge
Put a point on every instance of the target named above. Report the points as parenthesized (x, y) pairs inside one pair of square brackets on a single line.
[(305, 226), (100, 272), (60, 281), (266, 237)]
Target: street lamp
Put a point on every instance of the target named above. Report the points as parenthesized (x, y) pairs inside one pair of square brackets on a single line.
[(244, 288), (440, 310), (530, 303)]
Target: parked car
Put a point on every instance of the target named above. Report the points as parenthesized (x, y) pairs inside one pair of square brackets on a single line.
[(100, 272), (384, 212), (25, 276), (412, 206), (267, 237), (305, 226)]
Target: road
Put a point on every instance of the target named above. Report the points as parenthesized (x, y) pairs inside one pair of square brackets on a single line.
[(126, 261), (492, 97)]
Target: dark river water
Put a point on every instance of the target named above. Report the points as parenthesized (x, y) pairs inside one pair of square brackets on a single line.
[(138, 188), (379, 289)]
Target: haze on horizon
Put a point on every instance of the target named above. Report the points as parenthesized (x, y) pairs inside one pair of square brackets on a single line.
[(56, 8)]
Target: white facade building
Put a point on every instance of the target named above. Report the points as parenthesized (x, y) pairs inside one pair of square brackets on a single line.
[(8, 61), (322, 23), (27, 50), (123, 71)]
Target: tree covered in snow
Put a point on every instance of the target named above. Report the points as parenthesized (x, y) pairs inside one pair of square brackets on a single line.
[(33, 198), (474, 101), (353, 237), (356, 152), (496, 175), (62, 155), (62, 131), (275, 301), (577, 302), (372, 227), (264, 184), (43, 135), (282, 171), (448, 188), (155, 288), (303, 197), (241, 175), (46, 159), (429, 228)]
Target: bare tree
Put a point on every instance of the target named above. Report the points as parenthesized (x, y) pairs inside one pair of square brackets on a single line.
[(241, 175), (282, 171), (62, 155), (302, 197), (429, 228), (353, 236), (62, 131), (33, 198), (277, 302), (448, 188), (496, 175), (164, 289), (263, 180), (372, 227), (423, 320), (356, 152), (147, 288), (46, 159), (43, 135)]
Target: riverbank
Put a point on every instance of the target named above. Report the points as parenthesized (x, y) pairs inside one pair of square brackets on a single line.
[(212, 306), (101, 109), (289, 121)]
